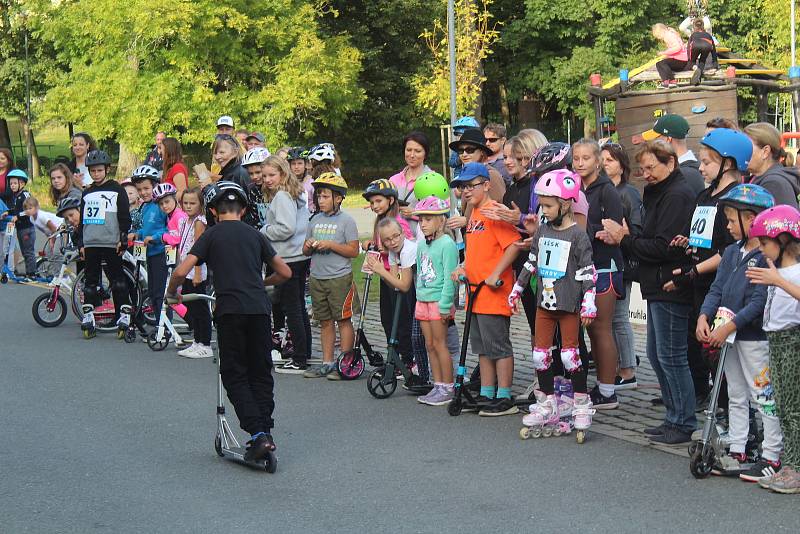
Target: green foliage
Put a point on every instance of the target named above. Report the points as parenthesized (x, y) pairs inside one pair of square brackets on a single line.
[(142, 65)]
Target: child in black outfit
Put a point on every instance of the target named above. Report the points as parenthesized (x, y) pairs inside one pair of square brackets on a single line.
[(236, 252), (701, 44)]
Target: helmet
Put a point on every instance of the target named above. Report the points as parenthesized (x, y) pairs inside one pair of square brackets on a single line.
[(775, 221), (730, 144), (380, 187), (561, 184), (465, 122), (297, 152), (97, 157), (68, 203), (748, 197), (550, 157), (255, 155), (323, 152), (145, 172), (332, 181), (224, 190), (431, 184), (163, 190), (18, 173), (432, 206)]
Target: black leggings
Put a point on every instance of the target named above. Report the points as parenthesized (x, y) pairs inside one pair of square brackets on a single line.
[(290, 298), (387, 302), (198, 316), (157, 281), (107, 260), (665, 68)]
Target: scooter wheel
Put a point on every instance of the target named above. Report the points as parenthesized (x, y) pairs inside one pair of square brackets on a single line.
[(377, 388), (524, 432), (350, 365), (700, 467), (455, 407), (270, 463), (158, 345), (580, 436), (4, 279), (130, 335), (218, 445)]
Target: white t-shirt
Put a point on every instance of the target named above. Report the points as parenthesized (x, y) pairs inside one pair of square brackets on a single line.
[(782, 310), (407, 257), (41, 220)]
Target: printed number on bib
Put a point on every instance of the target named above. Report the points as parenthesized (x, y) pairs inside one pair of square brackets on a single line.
[(172, 254), (702, 229), (553, 257), (139, 251), (94, 212)]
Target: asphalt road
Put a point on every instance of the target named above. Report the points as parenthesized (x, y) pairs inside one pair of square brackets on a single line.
[(107, 437)]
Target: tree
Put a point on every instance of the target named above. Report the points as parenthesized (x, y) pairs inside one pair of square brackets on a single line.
[(145, 65)]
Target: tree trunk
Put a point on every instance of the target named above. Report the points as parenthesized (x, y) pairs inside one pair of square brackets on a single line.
[(5, 135), (504, 105), (128, 161), (30, 143)]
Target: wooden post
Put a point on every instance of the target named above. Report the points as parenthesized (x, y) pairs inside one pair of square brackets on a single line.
[(794, 79), (762, 104)]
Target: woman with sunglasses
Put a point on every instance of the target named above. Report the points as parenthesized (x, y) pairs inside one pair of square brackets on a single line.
[(495, 135), (618, 168)]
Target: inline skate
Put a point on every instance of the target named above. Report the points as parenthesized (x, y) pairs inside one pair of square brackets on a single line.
[(87, 324), (124, 321), (582, 412), (550, 416)]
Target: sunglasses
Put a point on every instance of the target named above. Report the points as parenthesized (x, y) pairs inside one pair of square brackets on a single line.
[(466, 149), (492, 139), (612, 145)]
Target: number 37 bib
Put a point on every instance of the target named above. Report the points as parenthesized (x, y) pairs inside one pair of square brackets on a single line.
[(702, 230), (553, 257)]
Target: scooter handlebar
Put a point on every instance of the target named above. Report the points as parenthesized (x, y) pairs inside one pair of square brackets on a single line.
[(463, 280), (191, 297)]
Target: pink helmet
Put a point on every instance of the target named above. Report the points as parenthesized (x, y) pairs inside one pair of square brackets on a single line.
[(163, 190), (561, 183), (432, 206), (775, 221)]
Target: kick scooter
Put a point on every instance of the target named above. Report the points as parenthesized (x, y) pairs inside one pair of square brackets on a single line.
[(350, 364), (225, 443)]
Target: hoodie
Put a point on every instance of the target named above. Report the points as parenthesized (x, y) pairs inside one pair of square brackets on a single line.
[(782, 182), (172, 236), (286, 226), (154, 224)]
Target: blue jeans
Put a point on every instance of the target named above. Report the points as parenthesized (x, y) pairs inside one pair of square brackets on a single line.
[(623, 331), (667, 328)]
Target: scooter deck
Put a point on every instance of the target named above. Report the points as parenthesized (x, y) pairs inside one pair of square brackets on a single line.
[(236, 454)]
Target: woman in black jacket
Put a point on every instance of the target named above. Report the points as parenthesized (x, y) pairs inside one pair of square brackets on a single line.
[(668, 204)]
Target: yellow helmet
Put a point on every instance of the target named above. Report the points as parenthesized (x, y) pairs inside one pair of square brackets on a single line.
[(332, 181)]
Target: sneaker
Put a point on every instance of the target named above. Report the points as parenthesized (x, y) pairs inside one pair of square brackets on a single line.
[(731, 465), (334, 375), (292, 367), (673, 84), (320, 371), (601, 402), (480, 402), (672, 436), (424, 399), (697, 75), (761, 469), (188, 350), (656, 430), (259, 447), (625, 383), (787, 481), (202, 351), (663, 85), (499, 407)]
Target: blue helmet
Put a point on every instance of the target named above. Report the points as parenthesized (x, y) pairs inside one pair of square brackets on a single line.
[(463, 123), (730, 144), (18, 173), (748, 197)]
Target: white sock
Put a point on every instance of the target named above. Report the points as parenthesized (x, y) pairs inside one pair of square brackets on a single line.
[(606, 390)]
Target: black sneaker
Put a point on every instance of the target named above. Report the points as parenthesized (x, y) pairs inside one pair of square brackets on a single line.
[(625, 383), (761, 469), (658, 401), (601, 402), (481, 401), (257, 449), (697, 75), (656, 430), (292, 367), (672, 436), (499, 407)]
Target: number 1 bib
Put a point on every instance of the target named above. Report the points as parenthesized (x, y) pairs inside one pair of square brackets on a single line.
[(553, 257), (702, 229)]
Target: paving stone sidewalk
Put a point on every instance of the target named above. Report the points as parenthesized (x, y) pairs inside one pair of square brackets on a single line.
[(626, 423)]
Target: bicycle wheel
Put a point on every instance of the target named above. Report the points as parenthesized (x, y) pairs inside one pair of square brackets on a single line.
[(104, 314)]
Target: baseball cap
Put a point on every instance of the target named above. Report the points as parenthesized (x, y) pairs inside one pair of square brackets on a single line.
[(258, 136), (670, 125), (471, 171), (225, 120)]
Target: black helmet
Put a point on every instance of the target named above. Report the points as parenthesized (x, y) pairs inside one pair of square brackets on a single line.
[(68, 203), (224, 190), (97, 157), (146, 172), (551, 157), (297, 152), (380, 187)]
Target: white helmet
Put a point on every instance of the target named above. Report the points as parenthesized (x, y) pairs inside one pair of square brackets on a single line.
[(323, 152), (255, 155)]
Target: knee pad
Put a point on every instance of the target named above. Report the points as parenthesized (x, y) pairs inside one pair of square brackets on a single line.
[(571, 359), (90, 294), (541, 358), (119, 286)]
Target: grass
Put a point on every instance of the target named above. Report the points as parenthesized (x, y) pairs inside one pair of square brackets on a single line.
[(354, 199), (51, 141)]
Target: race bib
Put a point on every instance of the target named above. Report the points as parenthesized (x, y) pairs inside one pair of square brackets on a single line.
[(172, 254), (553, 257), (702, 229), (262, 213), (723, 317), (94, 211), (139, 251)]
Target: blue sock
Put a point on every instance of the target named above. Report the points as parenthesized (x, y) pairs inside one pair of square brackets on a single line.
[(503, 393), (487, 391), (255, 436)]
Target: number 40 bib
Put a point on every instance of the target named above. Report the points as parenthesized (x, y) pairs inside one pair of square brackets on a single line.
[(553, 257), (702, 230)]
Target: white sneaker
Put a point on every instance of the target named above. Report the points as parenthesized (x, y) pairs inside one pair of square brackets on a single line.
[(189, 350), (202, 351)]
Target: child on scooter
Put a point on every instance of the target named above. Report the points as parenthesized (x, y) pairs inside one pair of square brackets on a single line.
[(561, 259), (437, 257), (236, 253), (778, 233), (489, 253), (735, 308), (332, 242)]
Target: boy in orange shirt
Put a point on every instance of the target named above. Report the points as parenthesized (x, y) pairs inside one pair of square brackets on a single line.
[(490, 251)]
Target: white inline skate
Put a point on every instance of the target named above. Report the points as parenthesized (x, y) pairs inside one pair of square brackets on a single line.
[(582, 412), (88, 325), (550, 416)]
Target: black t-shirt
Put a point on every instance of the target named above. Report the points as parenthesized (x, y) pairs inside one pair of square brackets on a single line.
[(720, 239), (236, 253)]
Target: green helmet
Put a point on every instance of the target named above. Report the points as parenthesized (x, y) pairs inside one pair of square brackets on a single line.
[(431, 184)]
